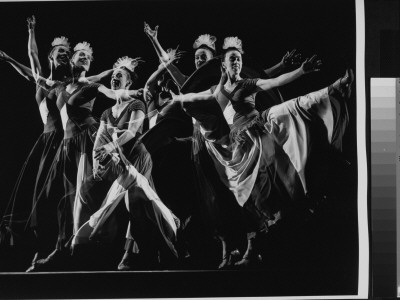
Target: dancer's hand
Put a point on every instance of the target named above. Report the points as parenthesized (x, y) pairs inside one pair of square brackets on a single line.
[(136, 94), (175, 97), (101, 153), (98, 169), (4, 56), (311, 65), (31, 22), (291, 59), (174, 55), (152, 34)]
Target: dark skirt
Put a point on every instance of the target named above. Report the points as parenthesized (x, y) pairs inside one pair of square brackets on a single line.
[(25, 209), (73, 166)]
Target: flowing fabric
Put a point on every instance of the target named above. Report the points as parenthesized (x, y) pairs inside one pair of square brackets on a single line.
[(253, 165), (72, 164), (24, 210), (131, 182)]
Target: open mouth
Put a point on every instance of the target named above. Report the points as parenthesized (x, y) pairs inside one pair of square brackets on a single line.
[(200, 63), (84, 61), (116, 84)]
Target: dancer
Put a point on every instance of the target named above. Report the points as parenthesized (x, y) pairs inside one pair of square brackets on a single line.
[(129, 167), (262, 157), (73, 162), (40, 216), (215, 214)]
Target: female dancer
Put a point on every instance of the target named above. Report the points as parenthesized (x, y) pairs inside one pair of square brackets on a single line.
[(215, 213), (40, 216), (129, 167), (73, 162), (262, 157)]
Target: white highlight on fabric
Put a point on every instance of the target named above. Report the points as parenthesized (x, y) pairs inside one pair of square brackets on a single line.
[(44, 111), (229, 113), (64, 116), (239, 170)]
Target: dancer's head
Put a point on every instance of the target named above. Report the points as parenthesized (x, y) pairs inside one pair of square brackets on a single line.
[(204, 49), (82, 56), (124, 74), (60, 52), (232, 55)]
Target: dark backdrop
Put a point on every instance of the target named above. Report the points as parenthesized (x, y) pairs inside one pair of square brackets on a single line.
[(267, 28)]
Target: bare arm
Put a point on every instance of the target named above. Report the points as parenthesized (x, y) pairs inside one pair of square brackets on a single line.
[(194, 97), (164, 57), (98, 77), (20, 68), (120, 95), (152, 34), (309, 65), (33, 51), (290, 59)]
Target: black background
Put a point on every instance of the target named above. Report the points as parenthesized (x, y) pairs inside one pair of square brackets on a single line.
[(267, 28)]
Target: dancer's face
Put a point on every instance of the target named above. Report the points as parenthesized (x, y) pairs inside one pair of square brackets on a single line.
[(233, 62), (82, 59), (60, 56), (201, 56), (120, 79)]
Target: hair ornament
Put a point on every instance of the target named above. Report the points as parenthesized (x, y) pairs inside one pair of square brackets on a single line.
[(128, 63), (205, 40), (233, 42), (61, 41), (84, 46)]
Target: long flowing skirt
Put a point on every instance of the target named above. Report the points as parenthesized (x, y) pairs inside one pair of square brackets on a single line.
[(72, 167), (152, 224), (25, 210), (265, 164)]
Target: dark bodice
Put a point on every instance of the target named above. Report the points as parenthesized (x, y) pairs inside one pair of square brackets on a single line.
[(121, 123), (243, 97), (76, 108), (46, 100)]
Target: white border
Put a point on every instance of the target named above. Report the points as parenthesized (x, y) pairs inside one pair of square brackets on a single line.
[(364, 253), (363, 242)]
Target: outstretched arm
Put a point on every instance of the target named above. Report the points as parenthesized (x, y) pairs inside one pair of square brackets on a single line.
[(193, 97), (98, 77), (33, 51), (26, 72), (120, 95), (290, 59), (20, 68), (308, 66), (150, 87), (164, 56)]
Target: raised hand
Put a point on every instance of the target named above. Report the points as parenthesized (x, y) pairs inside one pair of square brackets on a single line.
[(291, 59), (174, 54), (3, 56), (31, 22), (152, 34), (311, 65)]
